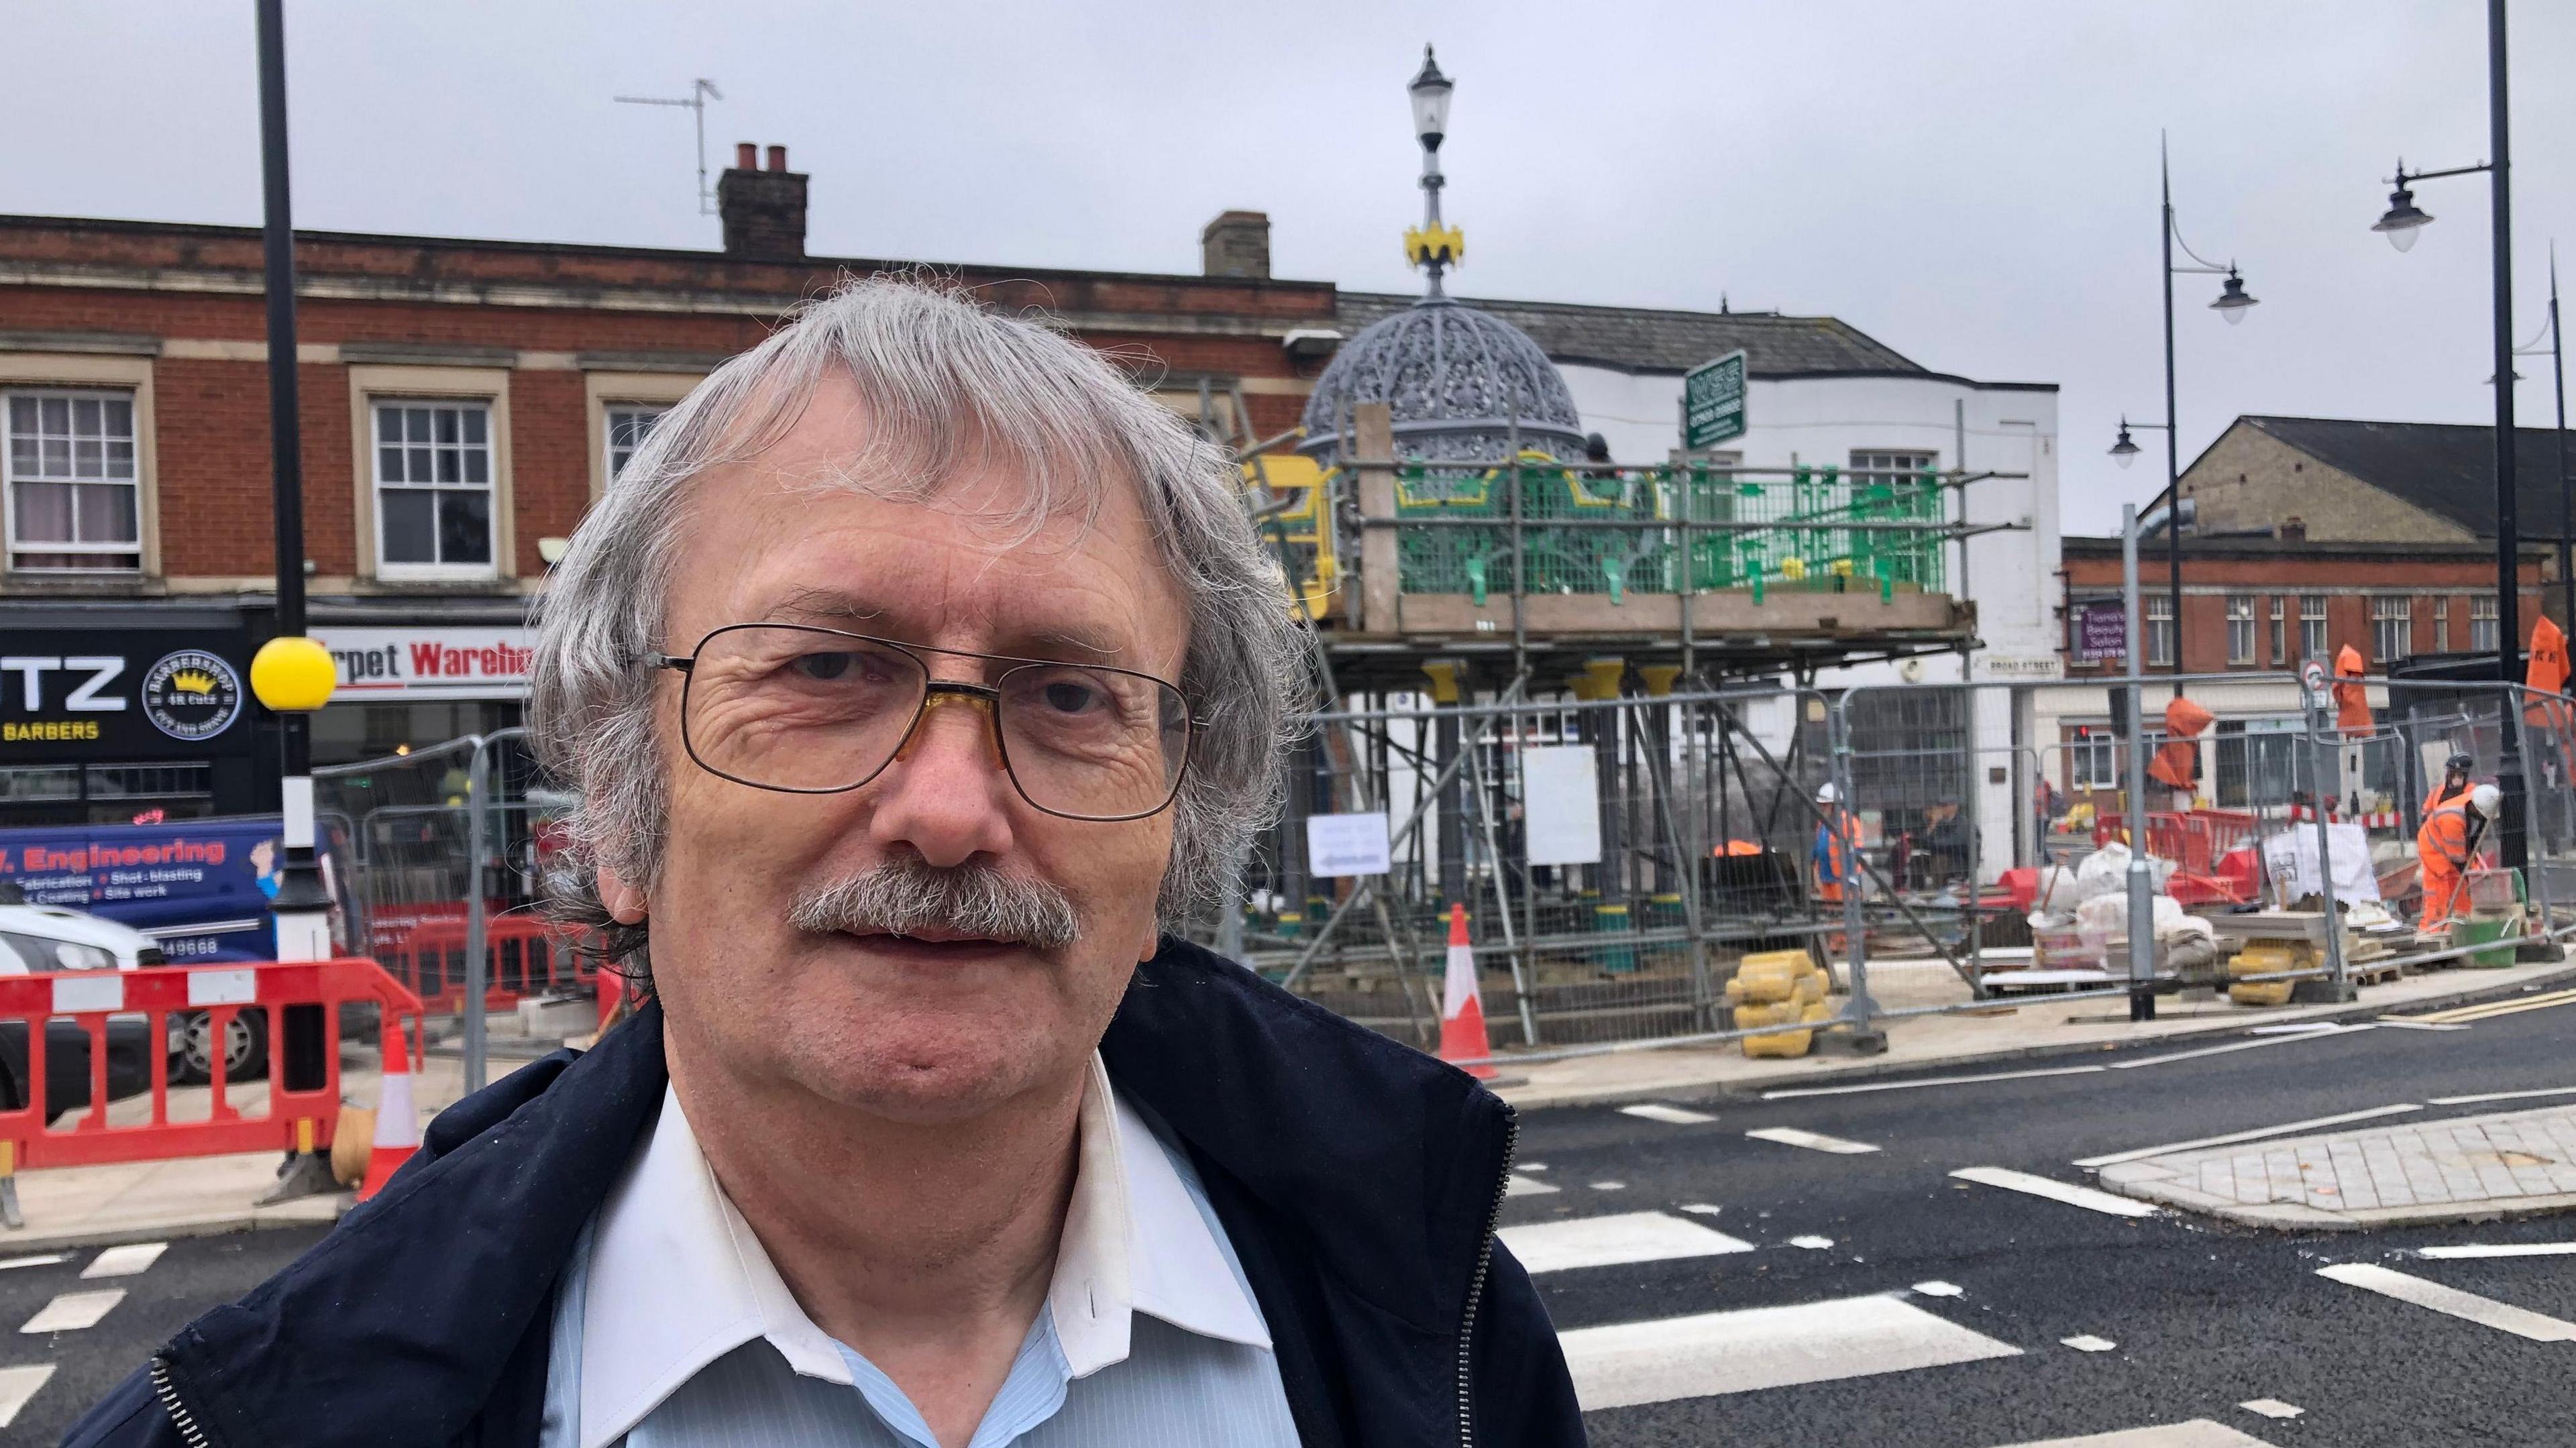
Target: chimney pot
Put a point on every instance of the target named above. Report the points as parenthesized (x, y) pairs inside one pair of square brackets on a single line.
[(1236, 244), (763, 211)]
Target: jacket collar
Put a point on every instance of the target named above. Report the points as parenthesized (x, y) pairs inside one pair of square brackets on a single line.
[(411, 1311)]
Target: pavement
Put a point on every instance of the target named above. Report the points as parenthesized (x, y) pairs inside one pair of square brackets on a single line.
[(2008, 1030), (1919, 1257), (103, 1205)]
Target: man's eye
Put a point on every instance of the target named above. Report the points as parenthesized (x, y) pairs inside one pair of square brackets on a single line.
[(1068, 697), (824, 667)]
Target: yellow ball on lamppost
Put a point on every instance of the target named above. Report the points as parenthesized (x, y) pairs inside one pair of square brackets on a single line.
[(293, 675)]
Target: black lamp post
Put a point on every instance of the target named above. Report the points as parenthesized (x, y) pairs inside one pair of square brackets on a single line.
[(2233, 302), (2399, 224), (1432, 247), (2558, 382)]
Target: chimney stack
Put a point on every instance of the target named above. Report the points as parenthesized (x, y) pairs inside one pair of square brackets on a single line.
[(2294, 530), (763, 211), (1237, 244)]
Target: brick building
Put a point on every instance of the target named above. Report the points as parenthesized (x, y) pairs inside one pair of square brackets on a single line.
[(462, 403)]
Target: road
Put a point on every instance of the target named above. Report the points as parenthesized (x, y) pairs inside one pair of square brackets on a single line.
[(1837, 1296)]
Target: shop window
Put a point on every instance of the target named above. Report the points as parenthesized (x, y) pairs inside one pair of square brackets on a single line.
[(434, 489), (74, 491)]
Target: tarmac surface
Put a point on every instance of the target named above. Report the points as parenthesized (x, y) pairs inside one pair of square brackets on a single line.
[(1833, 1280)]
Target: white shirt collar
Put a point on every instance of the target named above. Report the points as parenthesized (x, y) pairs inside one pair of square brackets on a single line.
[(678, 1279)]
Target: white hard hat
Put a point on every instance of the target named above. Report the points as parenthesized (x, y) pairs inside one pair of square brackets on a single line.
[(1829, 795), (2487, 800)]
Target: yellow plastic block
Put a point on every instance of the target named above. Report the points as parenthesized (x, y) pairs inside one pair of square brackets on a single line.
[(1793, 960), (2261, 993), (1785, 1043)]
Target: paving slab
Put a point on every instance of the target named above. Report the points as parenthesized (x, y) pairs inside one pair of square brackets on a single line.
[(2407, 1172)]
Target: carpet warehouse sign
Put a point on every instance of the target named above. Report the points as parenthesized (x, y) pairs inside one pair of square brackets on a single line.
[(429, 663)]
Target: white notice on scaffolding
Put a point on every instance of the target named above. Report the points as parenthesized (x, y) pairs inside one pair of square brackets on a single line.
[(1347, 844), (1561, 796)]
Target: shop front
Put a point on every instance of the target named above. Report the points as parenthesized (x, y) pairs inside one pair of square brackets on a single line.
[(129, 715), (405, 687)]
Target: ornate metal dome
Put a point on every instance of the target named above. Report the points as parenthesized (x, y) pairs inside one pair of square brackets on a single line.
[(1457, 380)]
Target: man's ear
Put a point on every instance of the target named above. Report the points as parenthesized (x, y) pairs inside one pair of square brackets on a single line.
[(625, 903)]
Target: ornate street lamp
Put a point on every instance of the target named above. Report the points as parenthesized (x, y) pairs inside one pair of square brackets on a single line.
[(1432, 246)]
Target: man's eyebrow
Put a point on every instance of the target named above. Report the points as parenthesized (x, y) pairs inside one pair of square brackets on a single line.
[(822, 605)]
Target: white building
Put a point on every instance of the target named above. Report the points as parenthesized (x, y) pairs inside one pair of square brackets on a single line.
[(1822, 393)]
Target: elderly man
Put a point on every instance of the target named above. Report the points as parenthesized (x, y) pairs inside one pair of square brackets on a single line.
[(918, 676)]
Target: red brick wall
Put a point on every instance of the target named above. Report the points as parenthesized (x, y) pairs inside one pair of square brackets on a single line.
[(212, 416)]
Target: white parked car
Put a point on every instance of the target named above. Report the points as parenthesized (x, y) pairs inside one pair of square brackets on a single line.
[(42, 939)]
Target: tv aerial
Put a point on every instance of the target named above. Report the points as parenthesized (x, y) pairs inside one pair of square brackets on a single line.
[(701, 91)]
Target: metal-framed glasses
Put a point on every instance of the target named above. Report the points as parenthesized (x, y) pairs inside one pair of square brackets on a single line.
[(805, 710)]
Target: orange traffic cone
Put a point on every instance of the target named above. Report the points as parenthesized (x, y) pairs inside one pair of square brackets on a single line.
[(1462, 1008), (397, 1124)]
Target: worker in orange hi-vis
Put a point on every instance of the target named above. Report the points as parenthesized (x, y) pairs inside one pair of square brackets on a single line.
[(2455, 782), (1837, 852), (2545, 677), (2445, 846)]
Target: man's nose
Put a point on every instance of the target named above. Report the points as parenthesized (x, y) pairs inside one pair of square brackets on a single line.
[(946, 793)]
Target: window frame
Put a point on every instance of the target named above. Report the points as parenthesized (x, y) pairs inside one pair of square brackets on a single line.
[(92, 373), (2316, 619), (2093, 760), (2244, 656), (2397, 609), (414, 386), (2484, 616), (605, 390), (435, 570), (2280, 639), (71, 398), (2149, 636)]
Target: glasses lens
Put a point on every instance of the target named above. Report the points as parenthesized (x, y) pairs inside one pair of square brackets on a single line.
[(796, 708), (1093, 743)]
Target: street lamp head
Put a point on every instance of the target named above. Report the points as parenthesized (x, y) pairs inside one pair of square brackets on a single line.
[(2232, 301), (1430, 92), (2403, 220), (2124, 452)]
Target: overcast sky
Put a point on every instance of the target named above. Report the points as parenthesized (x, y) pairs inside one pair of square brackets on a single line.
[(1972, 183)]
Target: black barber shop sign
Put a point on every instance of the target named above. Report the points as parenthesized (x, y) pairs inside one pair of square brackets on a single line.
[(101, 694)]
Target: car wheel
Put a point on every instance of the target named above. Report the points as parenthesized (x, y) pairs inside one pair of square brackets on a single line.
[(245, 1048)]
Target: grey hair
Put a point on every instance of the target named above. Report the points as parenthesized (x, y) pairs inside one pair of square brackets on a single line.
[(946, 384)]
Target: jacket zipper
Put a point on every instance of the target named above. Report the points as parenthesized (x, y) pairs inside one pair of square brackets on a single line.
[(180, 1417), (1476, 1286)]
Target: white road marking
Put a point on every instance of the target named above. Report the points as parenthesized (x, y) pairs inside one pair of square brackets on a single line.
[(1614, 1241), (40, 1259), (2055, 1191), (2501, 1096), (1702, 1208), (2272, 1408), (1940, 1289), (2198, 1433), (2499, 1008), (1670, 1115), (2257, 1133), (1609, 1186), (2292, 1028), (1812, 1244), (1812, 1141), (2500, 1249), (1528, 1186), (2237, 1046), (2484, 1311), (74, 1310), (1927, 1081), (17, 1385), (125, 1261), (2087, 1342), (1763, 1347), (2403, 1024)]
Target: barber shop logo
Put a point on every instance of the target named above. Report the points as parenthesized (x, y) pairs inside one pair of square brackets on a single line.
[(192, 695)]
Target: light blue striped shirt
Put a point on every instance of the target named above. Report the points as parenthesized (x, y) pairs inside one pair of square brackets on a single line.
[(673, 1327)]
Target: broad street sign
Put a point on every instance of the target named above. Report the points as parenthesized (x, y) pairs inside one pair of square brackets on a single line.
[(1713, 403)]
